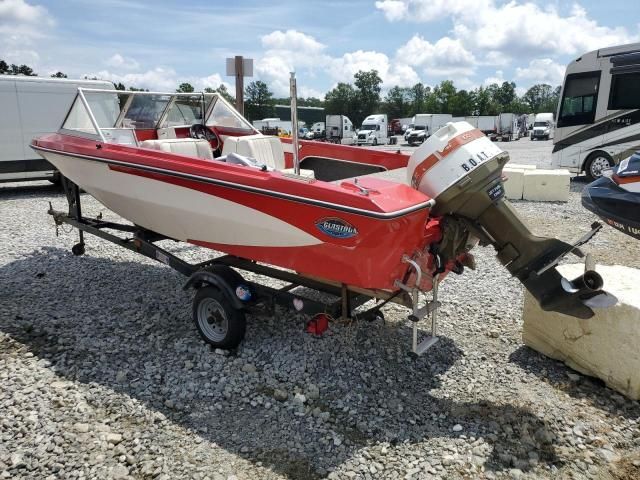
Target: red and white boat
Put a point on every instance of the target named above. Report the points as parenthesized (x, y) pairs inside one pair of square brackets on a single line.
[(190, 168)]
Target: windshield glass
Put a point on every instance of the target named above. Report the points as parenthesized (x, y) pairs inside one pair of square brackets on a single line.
[(184, 111), (224, 116), (541, 124), (419, 127), (368, 127)]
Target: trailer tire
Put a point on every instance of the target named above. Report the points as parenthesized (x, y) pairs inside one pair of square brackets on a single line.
[(78, 249), (596, 163), (219, 324), (375, 142)]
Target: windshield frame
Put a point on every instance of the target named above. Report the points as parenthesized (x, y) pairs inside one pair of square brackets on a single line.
[(209, 101)]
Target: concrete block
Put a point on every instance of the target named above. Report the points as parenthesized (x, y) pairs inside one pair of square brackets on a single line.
[(605, 346), (546, 185), (513, 187)]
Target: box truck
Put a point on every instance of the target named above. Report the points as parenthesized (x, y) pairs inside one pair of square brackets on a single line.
[(32, 106)]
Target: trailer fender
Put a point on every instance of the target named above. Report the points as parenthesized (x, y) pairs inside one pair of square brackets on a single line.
[(197, 279)]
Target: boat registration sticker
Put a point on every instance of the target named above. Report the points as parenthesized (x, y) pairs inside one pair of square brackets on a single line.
[(336, 228)]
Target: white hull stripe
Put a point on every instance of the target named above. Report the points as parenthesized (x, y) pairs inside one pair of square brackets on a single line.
[(239, 186)]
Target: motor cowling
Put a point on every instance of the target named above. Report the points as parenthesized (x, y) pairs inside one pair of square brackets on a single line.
[(461, 169)]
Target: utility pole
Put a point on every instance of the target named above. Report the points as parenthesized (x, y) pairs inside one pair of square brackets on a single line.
[(240, 67)]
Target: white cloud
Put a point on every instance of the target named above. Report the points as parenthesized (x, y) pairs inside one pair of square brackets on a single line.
[(118, 61), (445, 57), (498, 78), (393, 9), (541, 70), (161, 79), (513, 28), (14, 12), (291, 40)]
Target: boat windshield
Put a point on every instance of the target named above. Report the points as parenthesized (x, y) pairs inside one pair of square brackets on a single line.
[(114, 116)]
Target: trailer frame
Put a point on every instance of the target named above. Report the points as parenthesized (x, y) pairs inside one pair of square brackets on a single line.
[(221, 273)]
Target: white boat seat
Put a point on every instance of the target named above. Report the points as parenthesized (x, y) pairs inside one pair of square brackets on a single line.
[(266, 149), (189, 147)]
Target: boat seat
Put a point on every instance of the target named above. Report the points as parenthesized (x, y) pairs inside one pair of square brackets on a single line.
[(265, 149), (189, 147)]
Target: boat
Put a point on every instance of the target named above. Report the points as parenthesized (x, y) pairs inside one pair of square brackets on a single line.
[(615, 197), (190, 168)]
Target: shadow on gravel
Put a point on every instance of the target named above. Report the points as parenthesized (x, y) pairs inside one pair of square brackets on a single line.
[(14, 191), (127, 326), (590, 388)]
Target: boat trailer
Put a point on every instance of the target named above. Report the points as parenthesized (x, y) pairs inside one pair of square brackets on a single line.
[(223, 296)]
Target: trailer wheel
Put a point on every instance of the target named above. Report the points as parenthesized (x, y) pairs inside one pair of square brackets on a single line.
[(375, 142), (219, 324), (78, 249)]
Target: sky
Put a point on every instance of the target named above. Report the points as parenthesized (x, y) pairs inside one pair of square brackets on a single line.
[(159, 44)]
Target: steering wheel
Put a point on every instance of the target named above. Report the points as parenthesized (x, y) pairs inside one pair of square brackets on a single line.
[(199, 131)]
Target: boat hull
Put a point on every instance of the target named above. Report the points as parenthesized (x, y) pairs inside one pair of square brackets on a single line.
[(358, 248)]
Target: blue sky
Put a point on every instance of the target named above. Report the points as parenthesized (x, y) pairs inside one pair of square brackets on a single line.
[(159, 44)]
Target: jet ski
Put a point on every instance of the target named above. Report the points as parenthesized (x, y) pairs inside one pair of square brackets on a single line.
[(615, 197)]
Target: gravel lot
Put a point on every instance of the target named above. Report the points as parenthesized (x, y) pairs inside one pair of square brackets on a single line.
[(104, 376)]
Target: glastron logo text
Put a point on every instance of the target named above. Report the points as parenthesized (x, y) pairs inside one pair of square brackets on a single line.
[(335, 227)]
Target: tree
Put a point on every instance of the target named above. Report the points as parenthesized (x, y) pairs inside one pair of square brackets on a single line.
[(258, 101), (541, 98), (119, 86), (417, 97), (4, 68), (369, 86), (341, 100), (224, 93), (504, 95), (461, 104), (185, 88), (22, 70), (310, 102), (396, 102), (59, 75)]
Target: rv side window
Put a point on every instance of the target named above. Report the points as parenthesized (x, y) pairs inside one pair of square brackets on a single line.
[(579, 99), (625, 91)]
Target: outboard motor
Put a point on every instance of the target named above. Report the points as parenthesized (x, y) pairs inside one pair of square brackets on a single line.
[(461, 169)]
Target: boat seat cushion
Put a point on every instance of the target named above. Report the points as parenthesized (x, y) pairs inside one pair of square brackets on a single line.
[(189, 147), (265, 149)]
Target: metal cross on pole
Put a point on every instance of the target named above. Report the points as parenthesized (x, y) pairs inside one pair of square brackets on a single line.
[(240, 67)]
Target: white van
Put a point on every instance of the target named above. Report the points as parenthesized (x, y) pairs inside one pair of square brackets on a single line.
[(542, 126), (32, 106), (373, 130)]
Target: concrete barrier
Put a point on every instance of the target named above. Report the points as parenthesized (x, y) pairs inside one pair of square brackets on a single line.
[(514, 185), (605, 346), (546, 185)]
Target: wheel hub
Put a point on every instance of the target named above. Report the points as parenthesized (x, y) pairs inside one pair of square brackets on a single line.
[(212, 319)]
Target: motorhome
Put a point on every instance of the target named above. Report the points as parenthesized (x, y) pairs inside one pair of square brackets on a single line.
[(373, 130), (339, 129), (424, 124), (598, 117), (32, 106), (542, 127)]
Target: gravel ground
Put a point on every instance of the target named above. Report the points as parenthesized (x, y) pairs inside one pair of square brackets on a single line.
[(104, 376)]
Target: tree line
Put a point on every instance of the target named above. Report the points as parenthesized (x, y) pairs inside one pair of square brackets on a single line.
[(364, 97)]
